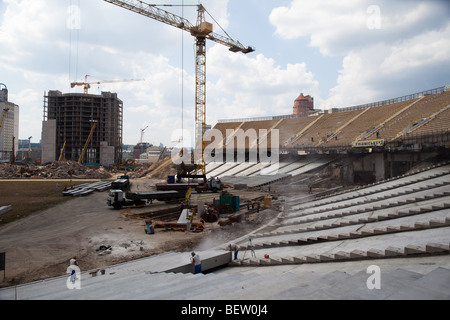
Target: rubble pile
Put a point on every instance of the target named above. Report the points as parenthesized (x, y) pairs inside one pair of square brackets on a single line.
[(54, 170)]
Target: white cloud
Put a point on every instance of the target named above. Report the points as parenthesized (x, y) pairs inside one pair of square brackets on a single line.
[(389, 48), (113, 43), (253, 86), (423, 50)]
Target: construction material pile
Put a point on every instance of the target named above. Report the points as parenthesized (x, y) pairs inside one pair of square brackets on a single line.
[(54, 170), (159, 170)]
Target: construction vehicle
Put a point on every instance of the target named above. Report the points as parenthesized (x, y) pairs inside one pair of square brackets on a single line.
[(120, 199), (62, 151), (212, 184), (122, 183), (87, 142), (87, 85), (201, 31), (188, 171)]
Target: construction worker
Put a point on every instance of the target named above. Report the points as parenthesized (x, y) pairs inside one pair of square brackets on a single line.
[(73, 265), (195, 259), (234, 247)]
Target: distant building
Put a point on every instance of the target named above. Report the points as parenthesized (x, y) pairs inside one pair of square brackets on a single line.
[(154, 153), (303, 105), (9, 126), (140, 149), (68, 121)]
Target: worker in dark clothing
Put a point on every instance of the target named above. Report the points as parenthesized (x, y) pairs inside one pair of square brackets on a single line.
[(234, 247)]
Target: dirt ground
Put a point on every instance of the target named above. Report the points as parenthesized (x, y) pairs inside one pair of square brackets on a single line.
[(40, 246)]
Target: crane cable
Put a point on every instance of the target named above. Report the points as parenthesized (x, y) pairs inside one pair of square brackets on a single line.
[(182, 80), (73, 23)]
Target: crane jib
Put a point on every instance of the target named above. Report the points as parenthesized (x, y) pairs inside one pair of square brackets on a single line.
[(152, 11)]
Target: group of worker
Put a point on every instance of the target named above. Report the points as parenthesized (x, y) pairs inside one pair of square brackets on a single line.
[(196, 261)]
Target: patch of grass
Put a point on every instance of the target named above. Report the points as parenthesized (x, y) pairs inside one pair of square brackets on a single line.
[(28, 197)]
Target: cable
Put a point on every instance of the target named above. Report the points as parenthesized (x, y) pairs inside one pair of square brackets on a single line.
[(182, 79), (70, 48), (78, 41)]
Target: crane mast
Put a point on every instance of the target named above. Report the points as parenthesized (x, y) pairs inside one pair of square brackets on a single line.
[(202, 31)]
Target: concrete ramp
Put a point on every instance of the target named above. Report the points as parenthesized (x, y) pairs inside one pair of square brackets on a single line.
[(177, 262)]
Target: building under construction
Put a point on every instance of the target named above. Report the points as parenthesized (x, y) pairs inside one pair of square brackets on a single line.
[(82, 127)]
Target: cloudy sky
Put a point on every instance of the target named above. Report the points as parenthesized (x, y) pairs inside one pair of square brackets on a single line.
[(342, 53)]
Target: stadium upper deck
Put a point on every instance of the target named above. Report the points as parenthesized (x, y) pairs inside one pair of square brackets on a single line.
[(423, 119)]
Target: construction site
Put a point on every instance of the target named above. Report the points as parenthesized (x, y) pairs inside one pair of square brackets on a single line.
[(350, 203)]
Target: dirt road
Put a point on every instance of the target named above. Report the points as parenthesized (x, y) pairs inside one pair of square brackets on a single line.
[(41, 245)]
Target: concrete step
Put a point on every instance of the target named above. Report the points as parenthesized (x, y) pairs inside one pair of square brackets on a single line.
[(356, 254), (432, 286)]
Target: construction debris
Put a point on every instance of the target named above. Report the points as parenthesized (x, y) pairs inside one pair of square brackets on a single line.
[(5, 209), (54, 170)]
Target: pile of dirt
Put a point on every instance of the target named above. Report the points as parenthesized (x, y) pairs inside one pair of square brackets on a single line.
[(160, 169), (54, 170)]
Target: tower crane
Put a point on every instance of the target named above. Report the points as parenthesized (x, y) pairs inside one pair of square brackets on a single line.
[(201, 31), (142, 133), (87, 84)]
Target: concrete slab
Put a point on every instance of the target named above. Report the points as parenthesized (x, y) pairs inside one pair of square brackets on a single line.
[(389, 284), (432, 286)]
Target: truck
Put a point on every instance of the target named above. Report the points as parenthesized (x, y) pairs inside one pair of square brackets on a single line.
[(119, 199), (212, 184), (122, 183)]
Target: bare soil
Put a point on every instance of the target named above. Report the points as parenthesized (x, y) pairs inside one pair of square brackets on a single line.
[(40, 245)]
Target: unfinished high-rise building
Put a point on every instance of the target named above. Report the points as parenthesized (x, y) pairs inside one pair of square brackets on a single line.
[(9, 126), (75, 123)]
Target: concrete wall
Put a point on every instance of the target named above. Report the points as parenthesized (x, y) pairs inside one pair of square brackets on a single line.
[(48, 141), (10, 127), (379, 166), (210, 260), (106, 154), (369, 168)]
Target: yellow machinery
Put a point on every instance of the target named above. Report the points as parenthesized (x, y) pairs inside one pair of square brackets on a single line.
[(201, 31), (87, 142), (62, 151)]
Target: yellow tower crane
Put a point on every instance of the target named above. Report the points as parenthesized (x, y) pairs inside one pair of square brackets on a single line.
[(87, 84), (201, 31)]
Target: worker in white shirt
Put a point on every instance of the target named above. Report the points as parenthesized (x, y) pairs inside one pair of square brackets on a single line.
[(195, 259)]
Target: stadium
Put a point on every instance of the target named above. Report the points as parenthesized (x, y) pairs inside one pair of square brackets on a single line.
[(365, 195)]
